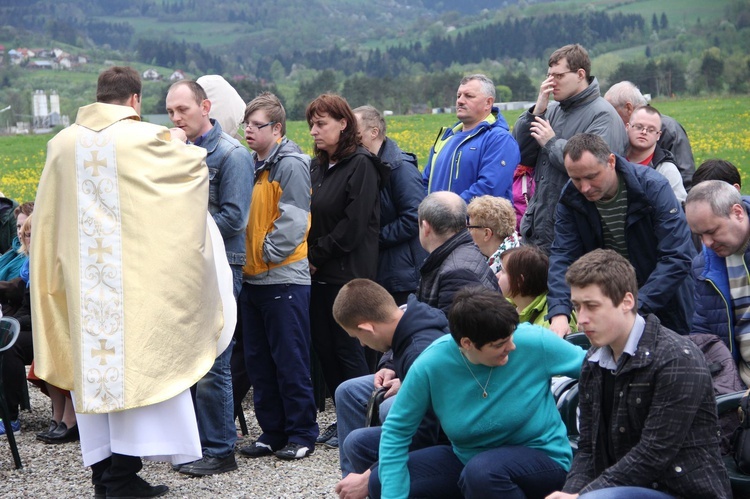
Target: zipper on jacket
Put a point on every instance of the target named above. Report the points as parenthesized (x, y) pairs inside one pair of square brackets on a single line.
[(458, 165), (729, 313)]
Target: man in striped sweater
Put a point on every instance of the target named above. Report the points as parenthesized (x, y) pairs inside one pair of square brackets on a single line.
[(610, 203)]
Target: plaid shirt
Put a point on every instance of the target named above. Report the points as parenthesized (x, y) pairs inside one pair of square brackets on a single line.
[(664, 430)]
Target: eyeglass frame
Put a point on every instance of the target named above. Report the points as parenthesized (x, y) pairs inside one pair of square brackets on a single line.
[(257, 127), (559, 76), (640, 129)]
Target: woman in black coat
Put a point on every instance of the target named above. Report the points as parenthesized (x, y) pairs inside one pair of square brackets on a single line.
[(343, 238)]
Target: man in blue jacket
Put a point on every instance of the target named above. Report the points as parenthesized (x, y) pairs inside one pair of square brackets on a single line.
[(612, 204), (718, 213), (477, 155), (230, 189)]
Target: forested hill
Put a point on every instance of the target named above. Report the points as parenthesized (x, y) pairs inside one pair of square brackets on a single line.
[(524, 38), (261, 25), (403, 55), (374, 37)]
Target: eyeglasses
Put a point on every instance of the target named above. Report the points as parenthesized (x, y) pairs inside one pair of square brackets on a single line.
[(255, 126), (640, 128), (559, 76)]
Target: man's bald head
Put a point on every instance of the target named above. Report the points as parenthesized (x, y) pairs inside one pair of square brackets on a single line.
[(445, 211)]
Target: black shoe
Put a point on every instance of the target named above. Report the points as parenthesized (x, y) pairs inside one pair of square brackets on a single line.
[(330, 432), (210, 466), (62, 435), (332, 443), (178, 467), (256, 449), (294, 451), (136, 487), (52, 427)]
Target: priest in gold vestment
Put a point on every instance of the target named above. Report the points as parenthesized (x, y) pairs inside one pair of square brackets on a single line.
[(126, 302)]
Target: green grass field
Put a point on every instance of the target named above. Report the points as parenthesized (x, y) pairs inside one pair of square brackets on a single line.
[(717, 127), (208, 34), (679, 12)]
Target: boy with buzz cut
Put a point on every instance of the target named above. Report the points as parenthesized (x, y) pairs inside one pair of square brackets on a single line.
[(368, 312), (275, 298), (647, 408)]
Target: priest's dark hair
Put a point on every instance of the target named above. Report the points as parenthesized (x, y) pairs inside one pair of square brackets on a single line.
[(118, 84)]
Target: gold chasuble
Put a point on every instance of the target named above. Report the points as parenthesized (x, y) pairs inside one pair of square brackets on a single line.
[(124, 294)]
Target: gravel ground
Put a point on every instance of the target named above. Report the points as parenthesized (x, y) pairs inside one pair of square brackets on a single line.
[(57, 470)]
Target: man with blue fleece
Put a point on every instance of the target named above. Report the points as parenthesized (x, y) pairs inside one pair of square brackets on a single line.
[(477, 155)]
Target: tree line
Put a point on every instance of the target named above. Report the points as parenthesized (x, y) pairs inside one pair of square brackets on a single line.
[(518, 38)]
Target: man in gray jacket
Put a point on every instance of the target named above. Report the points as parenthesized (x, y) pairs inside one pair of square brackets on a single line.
[(543, 131)]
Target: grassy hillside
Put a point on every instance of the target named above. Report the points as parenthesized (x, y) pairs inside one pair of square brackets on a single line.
[(208, 34), (717, 127), (679, 12)]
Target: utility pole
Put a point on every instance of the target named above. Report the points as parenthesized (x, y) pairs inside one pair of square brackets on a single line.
[(7, 123)]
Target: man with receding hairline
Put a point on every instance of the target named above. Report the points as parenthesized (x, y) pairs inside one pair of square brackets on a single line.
[(625, 97), (230, 188), (454, 261), (477, 155)]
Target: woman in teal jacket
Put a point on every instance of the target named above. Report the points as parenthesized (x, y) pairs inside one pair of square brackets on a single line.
[(489, 385)]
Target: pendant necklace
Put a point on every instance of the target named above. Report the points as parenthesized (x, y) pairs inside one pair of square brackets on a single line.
[(484, 388)]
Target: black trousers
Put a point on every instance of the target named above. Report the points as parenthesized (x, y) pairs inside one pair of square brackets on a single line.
[(116, 472), (341, 357), (15, 361)]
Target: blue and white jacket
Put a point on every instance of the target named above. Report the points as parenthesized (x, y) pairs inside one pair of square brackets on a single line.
[(482, 164)]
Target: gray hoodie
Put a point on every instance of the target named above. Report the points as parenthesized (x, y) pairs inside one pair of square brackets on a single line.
[(585, 112)]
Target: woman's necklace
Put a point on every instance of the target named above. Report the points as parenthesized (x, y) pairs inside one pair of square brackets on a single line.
[(484, 388)]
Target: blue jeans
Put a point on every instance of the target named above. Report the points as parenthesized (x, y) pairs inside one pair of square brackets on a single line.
[(351, 409), (236, 279), (276, 336), (507, 472), (214, 408), (214, 398), (625, 493)]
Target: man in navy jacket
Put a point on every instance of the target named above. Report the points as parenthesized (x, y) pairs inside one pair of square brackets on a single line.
[(718, 213), (612, 204)]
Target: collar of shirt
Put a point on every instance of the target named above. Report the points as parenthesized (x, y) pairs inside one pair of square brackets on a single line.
[(645, 161), (200, 139), (604, 356)]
